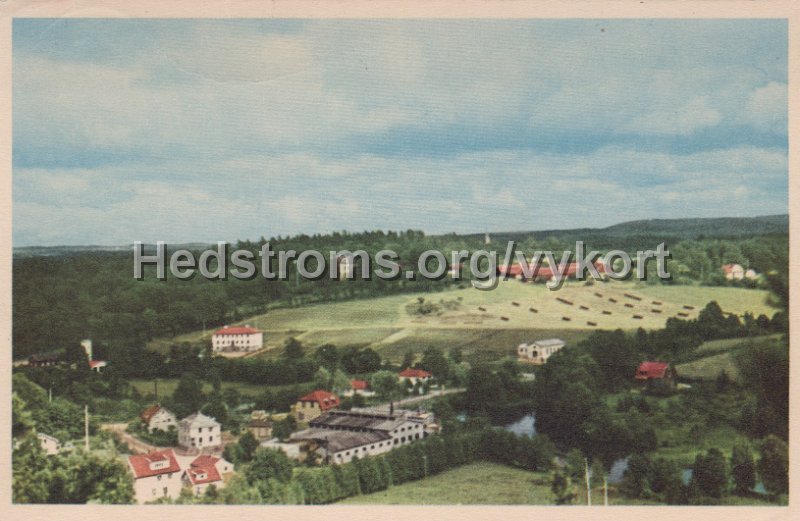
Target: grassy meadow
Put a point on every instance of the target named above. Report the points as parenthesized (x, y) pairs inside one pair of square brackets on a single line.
[(481, 483), (488, 324)]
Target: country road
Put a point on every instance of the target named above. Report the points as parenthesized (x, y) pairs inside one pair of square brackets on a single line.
[(136, 445), (420, 398)]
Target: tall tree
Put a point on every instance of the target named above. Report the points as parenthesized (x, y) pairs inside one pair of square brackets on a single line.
[(773, 467), (743, 469)]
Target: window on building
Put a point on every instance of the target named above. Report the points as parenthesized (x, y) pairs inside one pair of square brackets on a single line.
[(166, 491)]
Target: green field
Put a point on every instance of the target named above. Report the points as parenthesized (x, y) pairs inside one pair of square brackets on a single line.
[(719, 356), (479, 483), (504, 321)]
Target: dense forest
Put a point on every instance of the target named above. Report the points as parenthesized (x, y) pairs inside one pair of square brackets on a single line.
[(70, 294)]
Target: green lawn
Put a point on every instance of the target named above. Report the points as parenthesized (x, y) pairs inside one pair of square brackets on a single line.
[(720, 356)]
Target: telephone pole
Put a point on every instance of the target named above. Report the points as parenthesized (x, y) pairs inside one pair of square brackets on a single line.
[(86, 427), (588, 482), (605, 491)]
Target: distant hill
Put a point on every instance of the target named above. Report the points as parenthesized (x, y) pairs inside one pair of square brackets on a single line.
[(627, 235), (647, 233)]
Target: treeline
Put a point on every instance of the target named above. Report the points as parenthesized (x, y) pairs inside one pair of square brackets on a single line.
[(59, 300), (270, 479)]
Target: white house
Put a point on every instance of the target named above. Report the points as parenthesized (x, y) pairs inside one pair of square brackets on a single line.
[(156, 475), (158, 418), (538, 352), (199, 431), (50, 444), (237, 338), (205, 471)]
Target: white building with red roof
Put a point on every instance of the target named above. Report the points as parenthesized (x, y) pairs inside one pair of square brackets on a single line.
[(205, 471), (359, 387), (237, 338), (156, 474), (415, 375), (313, 404)]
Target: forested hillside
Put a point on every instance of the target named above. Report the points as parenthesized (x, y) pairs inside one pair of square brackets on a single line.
[(63, 297)]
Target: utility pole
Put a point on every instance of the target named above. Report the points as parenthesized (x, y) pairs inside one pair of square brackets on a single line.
[(86, 427), (588, 483), (605, 491), (50, 395)]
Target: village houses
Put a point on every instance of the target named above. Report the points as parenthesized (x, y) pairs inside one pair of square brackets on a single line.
[(156, 474), (157, 418), (237, 338), (539, 351), (259, 425), (313, 404), (199, 431), (205, 471), (737, 272)]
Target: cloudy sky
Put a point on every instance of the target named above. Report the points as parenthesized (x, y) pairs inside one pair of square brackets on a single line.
[(222, 130)]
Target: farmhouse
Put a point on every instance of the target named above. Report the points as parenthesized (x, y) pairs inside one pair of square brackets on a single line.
[(239, 338), (339, 436), (415, 375), (660, 373), (259, 425), (199, 431), (158, 418), (539, 351), (205, 471), (733, 271), (313, 404), (156, 475)]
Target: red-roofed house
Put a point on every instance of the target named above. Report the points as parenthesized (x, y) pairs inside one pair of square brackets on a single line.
[(359, 387), (415, 375), (313, 404), (158, 418), (206, 470), (155, 475), (733, 271), (656, 372), (237, 338)]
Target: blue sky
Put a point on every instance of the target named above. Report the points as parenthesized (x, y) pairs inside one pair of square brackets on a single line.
[(191, 130)]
